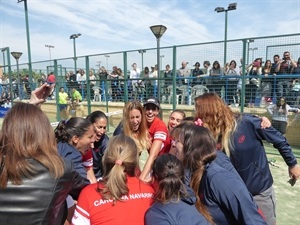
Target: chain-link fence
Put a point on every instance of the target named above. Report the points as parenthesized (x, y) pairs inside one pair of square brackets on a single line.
[(257, 73)]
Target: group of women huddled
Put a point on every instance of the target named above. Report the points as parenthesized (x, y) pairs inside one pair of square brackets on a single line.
[(210, 168)]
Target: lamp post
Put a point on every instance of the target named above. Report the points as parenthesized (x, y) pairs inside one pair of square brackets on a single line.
[(3, 53), (99, 64), (49, 46), (161, 58), (231, 6), (74, 36), (142, 53), (248, 46), (28, 42), (106, 56), (253, 49), (17, 55), (158, 31)]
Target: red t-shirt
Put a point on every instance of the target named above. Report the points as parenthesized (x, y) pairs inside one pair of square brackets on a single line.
[(159, 131), (51, 78), (87, 159), (92, 209)]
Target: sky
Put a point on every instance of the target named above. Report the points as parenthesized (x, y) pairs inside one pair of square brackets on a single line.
[(118, 25)]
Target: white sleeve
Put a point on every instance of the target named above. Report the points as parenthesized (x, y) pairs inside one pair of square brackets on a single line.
[(80, 217)]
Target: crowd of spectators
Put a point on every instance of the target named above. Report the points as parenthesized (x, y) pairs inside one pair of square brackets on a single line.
[(265, 82)]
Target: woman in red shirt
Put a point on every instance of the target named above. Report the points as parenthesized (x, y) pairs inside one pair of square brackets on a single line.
[(120, 197)]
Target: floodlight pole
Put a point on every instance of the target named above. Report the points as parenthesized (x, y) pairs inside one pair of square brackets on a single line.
[(28, 42), (17, 55), (158, 31), (74, 36), (49, 46), (231, 6)]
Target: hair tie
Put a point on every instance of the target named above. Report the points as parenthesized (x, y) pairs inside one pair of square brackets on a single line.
[(198, 122), (118, 162)]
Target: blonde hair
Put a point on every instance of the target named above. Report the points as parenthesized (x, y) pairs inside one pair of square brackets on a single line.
[(120, 160), (141, 137), (218, 118), (27, 134)]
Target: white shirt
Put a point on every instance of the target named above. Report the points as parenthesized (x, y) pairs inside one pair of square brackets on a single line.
[(135, 74)]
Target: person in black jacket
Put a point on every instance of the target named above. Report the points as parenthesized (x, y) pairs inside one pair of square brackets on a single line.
[(99, 120), (34, 179)]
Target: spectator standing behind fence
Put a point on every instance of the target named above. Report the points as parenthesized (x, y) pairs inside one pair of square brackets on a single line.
[(82, 83), (147, 82), (63, 98), (196, 73), (215, 81), (27, 88), (114, 83), (284, 67), (251, 87), (154, 82), (92, 79), (51, 78), (174, 200), (183, 73), (33, 189), (279, 113), (241, 136), (168, 75), (103, 83), (71, 82), (267, 81), (135, 74), (120, 197), (207, 68), (296, 70), (120, 93), (232, 82), (75, 101), (294, 93)]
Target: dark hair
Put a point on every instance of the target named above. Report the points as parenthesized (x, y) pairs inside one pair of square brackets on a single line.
[(188, 118), (217, 63), (94, 116), (66, 129), (278, 104), (168, 171), (232, 61), (199, 149), (207, 63)]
